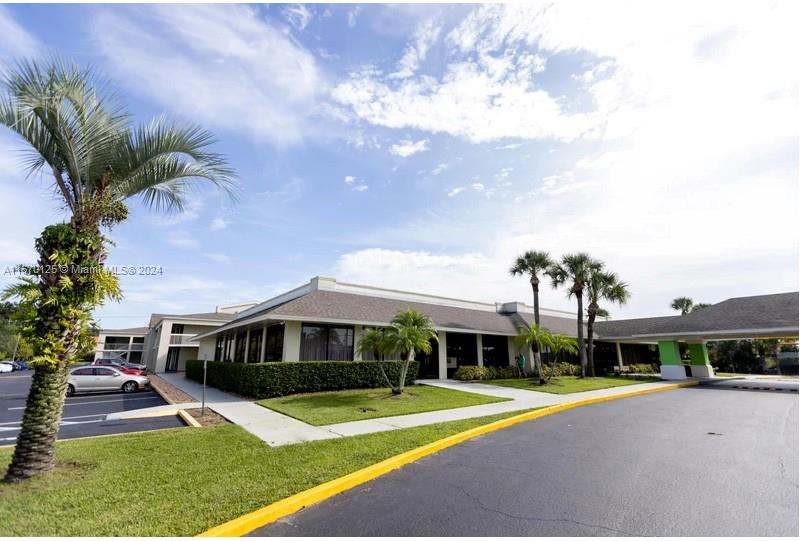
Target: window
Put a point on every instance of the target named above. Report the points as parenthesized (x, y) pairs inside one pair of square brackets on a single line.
[(228, 349), (116, 342), (462, 349), (218, 348), (137, 339), (104, 372), (82, 372), (327, 343), (496, 350), (178, 328), (274, 343), (254, 346), (239, 354)]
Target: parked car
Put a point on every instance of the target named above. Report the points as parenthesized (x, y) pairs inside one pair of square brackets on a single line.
[(128, 368), (20, 365), (84, 379), (6, 366)]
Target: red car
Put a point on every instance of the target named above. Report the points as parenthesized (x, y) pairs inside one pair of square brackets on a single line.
[(120, 366)]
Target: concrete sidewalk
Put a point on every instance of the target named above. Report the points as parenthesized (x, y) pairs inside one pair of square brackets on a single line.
[(271, 427), (276, 429)]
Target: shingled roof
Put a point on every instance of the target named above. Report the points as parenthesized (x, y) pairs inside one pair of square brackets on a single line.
[(203, 316), (760, 315)]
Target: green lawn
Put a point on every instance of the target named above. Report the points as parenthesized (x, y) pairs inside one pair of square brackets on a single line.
[(180, 482), (342, 406), (569, 384)]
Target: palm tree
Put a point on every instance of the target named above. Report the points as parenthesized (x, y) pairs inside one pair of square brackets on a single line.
[(377, 343), (534, 336), (411, 332), (534, 264), (557, 344), (684, 304), (78, 133), (573, 271), (601, 286)]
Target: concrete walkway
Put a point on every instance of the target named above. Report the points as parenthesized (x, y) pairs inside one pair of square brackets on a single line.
[(271, 427), (276, 429)]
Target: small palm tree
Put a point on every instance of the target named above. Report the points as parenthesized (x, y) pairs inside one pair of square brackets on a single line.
[(684, 304), (573, 271), (411, 332), (79, 135), (558, 344), (535, 337), (602, 286), (377, 343)]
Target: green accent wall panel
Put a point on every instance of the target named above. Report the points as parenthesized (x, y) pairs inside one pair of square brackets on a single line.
[(669, 352)]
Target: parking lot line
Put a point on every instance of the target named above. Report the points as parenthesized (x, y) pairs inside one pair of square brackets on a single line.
[(95, 402)]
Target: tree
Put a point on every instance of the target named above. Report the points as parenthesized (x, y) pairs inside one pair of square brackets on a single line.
[(411, 332), (684, 304), (377, 343), (557, 344), (78, 134), (534, 336), (602, 286), (573, 271), (699, 305), (533, 263)]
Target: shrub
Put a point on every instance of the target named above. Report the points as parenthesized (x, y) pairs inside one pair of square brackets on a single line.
[(470, 373), (562, 369), (268, 380), (642, 369)]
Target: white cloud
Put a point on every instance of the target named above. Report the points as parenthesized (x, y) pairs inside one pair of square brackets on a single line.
[(455, 191), (350, 180), (182, 239), (439, 168), (427, 33), (221, 65), (360, 188), (351, 16), (298, 15), (406, 147), (219, 258), (477, 186), (356, 184), (218, 224)]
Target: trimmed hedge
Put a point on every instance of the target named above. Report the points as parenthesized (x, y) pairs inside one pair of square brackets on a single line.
[(643, 369), (268, 380), (470, 373)]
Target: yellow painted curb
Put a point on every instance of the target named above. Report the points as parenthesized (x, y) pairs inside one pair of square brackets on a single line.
[(188, 419), (282, 508)]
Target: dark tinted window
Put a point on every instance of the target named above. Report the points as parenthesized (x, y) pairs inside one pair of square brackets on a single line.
[(83, 372), (103, 372), (274, 343), (177, 328), (327, 343)]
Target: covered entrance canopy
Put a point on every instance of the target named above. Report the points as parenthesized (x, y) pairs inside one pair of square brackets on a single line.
[(761, 316)]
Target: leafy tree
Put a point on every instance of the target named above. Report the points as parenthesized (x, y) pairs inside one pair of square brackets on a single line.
[(411, 332), (78, 134), (684, 304), (700, 305), (602, 286), (377, 343), (573, 271)]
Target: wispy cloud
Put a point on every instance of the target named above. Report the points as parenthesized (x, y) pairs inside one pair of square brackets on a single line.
[(221, 65), (298, 15), (218, 224), (406, 147)]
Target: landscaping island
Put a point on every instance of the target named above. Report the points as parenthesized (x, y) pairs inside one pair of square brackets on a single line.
[(570, 384), (343, 406)]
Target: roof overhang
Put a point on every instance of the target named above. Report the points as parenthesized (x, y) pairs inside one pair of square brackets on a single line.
[(280, 318), (730, 334)]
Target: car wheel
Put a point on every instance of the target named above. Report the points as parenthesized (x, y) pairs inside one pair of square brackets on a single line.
[(130, 387), (70, 390)]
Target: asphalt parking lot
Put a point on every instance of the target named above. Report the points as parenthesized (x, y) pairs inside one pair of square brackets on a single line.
[(84, 415), (699, 461)]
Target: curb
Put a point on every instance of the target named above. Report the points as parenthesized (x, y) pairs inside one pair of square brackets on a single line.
[(282, 508), (188, 419), (163, 396)]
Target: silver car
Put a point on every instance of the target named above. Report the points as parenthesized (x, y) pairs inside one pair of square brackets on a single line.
[(84, 379)]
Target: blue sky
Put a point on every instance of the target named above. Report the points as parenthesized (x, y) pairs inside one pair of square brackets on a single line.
[(423, 146)]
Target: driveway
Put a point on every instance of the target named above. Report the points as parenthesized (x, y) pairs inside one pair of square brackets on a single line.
[(697, 461), (84, 414)]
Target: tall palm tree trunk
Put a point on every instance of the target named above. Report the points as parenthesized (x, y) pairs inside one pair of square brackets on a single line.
[(536, 294), (34, 451), (591, 369), (580, 339)]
